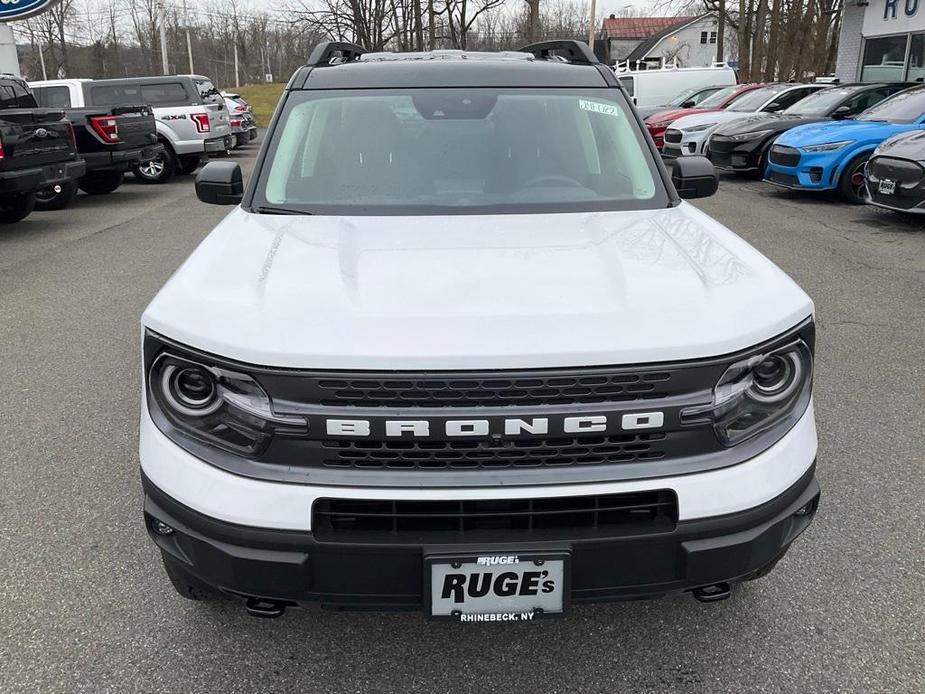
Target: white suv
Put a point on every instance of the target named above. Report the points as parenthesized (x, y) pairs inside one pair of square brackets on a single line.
[(462, 348)]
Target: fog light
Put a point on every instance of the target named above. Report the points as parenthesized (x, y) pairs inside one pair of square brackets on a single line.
[(161, 528), (815, 174)]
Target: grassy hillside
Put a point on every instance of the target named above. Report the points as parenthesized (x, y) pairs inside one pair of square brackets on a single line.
[(263, 97)]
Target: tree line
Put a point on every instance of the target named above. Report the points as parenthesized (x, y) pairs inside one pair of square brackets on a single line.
[(246, 42)]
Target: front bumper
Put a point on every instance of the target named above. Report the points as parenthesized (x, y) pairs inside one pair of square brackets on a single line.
[(294, 567), (813, 171), (730, 155)]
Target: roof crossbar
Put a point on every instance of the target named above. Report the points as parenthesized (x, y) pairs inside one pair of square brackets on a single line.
[(571, 50), (334, 53)]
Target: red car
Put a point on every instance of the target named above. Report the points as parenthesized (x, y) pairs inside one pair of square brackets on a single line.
[(658, 122)]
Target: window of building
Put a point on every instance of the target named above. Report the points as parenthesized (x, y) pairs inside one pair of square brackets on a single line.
[(884, 59), (703, 37), (712, 37), (916, 71)]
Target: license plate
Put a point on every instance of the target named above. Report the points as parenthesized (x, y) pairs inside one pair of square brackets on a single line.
[(886, 187), (497, 587)]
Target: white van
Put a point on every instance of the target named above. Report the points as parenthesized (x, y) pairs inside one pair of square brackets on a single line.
[(657, 87)]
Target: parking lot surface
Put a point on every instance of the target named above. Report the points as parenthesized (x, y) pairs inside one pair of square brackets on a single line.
[(85, 607)]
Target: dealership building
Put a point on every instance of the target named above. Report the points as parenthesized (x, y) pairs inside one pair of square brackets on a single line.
[(882, 40)]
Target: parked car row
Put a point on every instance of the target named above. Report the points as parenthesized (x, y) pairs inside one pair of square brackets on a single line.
[(863, 140), (61, 136)]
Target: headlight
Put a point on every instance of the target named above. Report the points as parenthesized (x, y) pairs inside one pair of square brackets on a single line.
[(757, 393), (660, 124), (827, 147), (213, 405), (745, 137), (700, 128)]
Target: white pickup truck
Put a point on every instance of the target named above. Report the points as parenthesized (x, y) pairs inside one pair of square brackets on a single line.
[(192, 121)]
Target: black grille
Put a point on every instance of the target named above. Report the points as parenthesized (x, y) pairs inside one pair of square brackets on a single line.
[(532, 389), (720, 144), (346, 520), (673, 136), (785, 156), (900, 170), (467, 455), (783, 179)]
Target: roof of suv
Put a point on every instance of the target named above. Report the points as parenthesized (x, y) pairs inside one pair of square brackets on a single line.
[(449, 68)]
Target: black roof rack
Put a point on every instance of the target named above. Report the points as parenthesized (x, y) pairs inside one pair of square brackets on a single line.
[(334, 53), (570, 50)]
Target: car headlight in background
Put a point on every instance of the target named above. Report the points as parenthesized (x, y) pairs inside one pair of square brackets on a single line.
[(213, 405), (700, 128), (827, 146), (754, 135), (660, 124), (758, 393)]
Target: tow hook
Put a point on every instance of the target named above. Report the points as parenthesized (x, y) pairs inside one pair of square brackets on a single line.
[(714, 593), (267, 609)]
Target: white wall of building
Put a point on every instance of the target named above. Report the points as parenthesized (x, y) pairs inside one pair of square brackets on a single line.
[(686, 47)]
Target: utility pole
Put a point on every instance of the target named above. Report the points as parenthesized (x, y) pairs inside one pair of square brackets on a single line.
[(592, 25), (237, 74), (42, 60), (189, 43), (163, 23)]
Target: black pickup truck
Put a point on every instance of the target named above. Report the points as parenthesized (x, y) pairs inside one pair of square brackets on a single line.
[(37, 150), (110, 139)]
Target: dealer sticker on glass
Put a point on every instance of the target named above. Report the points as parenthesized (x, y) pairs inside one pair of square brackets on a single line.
[(497, 587)]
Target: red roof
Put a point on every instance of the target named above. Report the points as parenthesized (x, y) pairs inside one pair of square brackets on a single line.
[(639, 27)]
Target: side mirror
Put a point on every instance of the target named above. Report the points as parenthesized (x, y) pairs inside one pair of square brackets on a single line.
[(220, 183), (690, 103), (773, 107), (841, 112), (694, 177)]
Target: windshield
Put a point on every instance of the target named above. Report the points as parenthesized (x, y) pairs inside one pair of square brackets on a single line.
[(697, 94), (822, 102), (716, 100), (904, 107), (428, 151), (755, 99)]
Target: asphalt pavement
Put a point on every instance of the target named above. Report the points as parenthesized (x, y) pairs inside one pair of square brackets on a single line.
[(85, 607)]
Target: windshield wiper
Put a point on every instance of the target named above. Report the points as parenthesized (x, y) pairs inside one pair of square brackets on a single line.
[(278, 210)]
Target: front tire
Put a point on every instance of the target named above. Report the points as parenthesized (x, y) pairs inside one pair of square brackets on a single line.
[(186, 585), (101, 182), (15, 208), (851, 184), (158, 170), (55, 197)]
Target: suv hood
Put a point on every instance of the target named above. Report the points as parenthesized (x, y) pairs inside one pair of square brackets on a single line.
[(766, 121), (675, 113), (709, 117), (475, 292), (833, 131)]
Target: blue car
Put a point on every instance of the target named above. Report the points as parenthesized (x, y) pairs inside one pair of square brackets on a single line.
[(832, 154)]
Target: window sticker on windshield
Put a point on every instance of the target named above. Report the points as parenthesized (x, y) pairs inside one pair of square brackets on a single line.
[(597, 107)]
